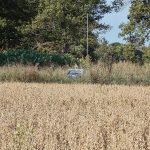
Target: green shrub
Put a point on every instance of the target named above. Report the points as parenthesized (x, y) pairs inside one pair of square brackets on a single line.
[(35, 57)]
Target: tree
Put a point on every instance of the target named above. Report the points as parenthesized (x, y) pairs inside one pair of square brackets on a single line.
[(13, 15), (18, 10), (118, 4), (147, 53), (137, 31), (62, 24), (138, 27)]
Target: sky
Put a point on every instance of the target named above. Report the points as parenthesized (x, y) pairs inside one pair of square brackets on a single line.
[(114, 20)]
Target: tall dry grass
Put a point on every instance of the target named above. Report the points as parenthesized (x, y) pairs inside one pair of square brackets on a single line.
[(74, 117), (122, 73), (32, 74)]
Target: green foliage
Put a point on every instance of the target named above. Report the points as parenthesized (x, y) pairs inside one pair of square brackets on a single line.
[(77, 51), (10, 37), (57, 30), (52, 26), (147, 54), (116, 52), (128, 52), (18, 10), (62, 24), (33, 57), (137, 30), (13, 15), (112, 51)]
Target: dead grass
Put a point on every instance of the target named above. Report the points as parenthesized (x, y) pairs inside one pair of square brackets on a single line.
[(122, 73), (74, 117)]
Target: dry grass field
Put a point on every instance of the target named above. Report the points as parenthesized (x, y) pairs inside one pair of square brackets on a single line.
[(74, 117), (122, 73)]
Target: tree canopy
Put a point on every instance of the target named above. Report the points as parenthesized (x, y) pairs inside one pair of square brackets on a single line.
[(60, 26), (52, 25), (18, 10), (138, 27)]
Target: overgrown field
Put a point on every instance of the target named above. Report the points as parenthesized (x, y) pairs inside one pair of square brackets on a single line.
[(122, 73), (74, 117)]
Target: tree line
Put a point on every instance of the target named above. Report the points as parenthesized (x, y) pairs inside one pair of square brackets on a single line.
[(58, 27)]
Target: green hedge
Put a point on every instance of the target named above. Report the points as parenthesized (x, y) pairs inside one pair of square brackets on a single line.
[(34, 57)]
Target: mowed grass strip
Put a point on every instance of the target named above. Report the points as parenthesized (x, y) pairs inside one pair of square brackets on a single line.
[(74, 117)]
